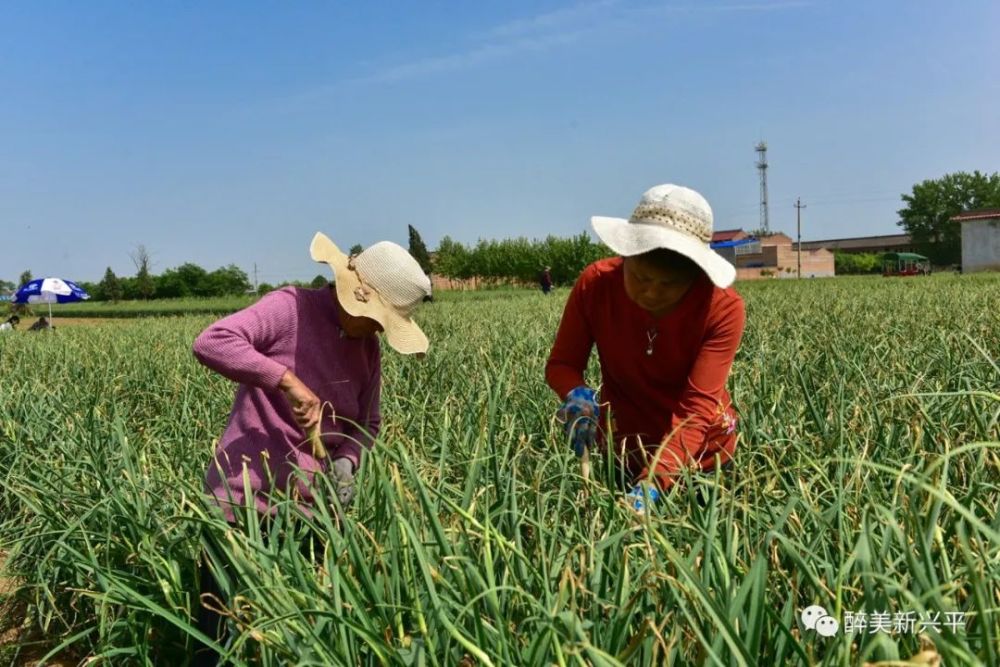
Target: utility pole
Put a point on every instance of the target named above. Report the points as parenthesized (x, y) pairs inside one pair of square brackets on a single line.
[(798, 230), (255, 277)]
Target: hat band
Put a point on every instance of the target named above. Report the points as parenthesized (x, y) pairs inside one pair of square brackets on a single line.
[(365, 292), (682, 222)]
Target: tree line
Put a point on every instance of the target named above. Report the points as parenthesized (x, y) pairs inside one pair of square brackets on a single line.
[(926, 216), (518, 260), (186, 280)]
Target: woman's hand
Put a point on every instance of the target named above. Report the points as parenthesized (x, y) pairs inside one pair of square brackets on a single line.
[(579, 414), (642, 496), (341, 474), (305, 404)]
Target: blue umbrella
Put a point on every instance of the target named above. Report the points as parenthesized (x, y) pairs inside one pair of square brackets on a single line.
[(50, 291)]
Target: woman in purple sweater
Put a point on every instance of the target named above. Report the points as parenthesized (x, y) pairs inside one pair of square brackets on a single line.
[(308, 366)]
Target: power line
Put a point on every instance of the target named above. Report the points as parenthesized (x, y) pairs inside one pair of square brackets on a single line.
[(828, 199), (860, 200)]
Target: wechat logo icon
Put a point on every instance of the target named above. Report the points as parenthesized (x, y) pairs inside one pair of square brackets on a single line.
[(816, 618)]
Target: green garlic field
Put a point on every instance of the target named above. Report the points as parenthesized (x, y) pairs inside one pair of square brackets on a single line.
[(867, 481)]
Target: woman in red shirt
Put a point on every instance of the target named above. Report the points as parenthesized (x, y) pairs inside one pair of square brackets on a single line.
[(667, 326)]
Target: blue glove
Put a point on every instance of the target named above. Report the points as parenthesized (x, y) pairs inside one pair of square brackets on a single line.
[(642, 496), (580, 413)]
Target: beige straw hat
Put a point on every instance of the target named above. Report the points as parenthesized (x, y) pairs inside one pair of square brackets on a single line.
[(672, 217), (382, 282)]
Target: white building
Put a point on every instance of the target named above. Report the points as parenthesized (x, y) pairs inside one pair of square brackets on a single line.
[(980, 239)]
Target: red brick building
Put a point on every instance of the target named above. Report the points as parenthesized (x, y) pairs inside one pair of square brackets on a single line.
[(772, 256)]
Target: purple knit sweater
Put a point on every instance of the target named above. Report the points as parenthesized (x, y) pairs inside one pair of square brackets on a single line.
[(296, 329)]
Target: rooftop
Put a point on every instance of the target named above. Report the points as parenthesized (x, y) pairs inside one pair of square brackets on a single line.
[(977, 214), (883, 241), (775, 238), (726, 235)]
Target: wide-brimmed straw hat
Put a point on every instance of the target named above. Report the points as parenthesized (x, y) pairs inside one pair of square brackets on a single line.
[(672, 217), (382, 282)]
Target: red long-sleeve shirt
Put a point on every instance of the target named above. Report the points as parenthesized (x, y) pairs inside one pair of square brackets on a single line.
[(679, 391)]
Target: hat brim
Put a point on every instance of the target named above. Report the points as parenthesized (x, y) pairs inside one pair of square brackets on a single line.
[(401, 332), (630, 238)]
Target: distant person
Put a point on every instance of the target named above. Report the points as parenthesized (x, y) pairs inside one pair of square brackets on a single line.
[(545, 280), (11, 323), (41, 325), (667, 325), (297, 353)]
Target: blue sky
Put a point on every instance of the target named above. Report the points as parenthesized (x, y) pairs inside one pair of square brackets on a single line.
[(229, 132)]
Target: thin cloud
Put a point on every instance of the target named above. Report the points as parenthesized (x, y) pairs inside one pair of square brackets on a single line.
[(534, 34), (477, 56), (557, 28), (723, 8), (757, 6), (557, 20)]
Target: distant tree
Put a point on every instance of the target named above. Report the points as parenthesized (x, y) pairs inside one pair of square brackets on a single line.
[(847, 263), (7, 286), (130, 290), (93, 289), (930, 207), (319, 281), (452, 259), (144, 280), (227, 281), (110, 288), (169, 285), (191, 280), (357, 249), (185, 280), (419, 250), (21, 308), (264, 288)]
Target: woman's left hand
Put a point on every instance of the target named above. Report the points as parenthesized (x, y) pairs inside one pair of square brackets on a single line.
[(341, 474), (641, 497)]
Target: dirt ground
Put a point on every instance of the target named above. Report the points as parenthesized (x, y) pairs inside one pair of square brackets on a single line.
[(61, 322), (72, 322), (15, 646)]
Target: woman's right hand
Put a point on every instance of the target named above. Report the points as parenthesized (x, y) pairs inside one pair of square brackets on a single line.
[(306, 406), (579, 414)]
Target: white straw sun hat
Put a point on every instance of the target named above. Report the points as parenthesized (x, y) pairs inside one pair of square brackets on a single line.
[(382, 282), (672, 217)]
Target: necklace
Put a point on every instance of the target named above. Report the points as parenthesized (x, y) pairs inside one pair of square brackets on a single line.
[(651, 335)]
